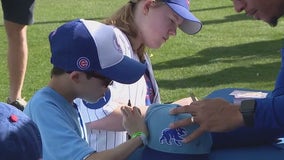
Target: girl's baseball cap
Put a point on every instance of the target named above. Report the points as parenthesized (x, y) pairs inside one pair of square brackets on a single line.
[(191, 24)]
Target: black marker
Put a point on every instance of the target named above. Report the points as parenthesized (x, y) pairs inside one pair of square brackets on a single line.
[(192, 96), (129, 103)]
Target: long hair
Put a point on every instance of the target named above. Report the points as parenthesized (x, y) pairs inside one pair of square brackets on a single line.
[(123, 19)]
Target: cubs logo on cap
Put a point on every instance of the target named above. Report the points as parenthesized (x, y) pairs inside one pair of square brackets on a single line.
[(172, 136), (83, 63)]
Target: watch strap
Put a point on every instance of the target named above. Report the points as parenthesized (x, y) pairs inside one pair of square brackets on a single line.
[(248, 109)]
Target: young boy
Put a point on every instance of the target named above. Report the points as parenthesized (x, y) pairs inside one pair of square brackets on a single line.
[(86, 57)]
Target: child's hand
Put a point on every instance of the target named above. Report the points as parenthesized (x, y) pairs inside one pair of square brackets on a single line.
[(133, 121)]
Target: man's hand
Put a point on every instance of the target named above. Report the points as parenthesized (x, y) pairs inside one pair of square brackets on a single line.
[(212, 115)]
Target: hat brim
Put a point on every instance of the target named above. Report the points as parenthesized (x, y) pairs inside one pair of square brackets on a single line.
[(191, 24), (127, 71)]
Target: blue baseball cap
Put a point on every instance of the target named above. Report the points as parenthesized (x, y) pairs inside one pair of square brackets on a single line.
[(191, 24), (19, 135), (165, 143), (85, 45)]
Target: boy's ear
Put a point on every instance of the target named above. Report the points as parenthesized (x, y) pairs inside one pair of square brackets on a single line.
[(75, 76)]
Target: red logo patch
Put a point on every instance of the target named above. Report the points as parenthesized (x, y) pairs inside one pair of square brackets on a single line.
[(83, 63), (13, 118)]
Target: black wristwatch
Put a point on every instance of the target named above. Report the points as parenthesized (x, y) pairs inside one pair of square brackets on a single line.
[(247, 109)]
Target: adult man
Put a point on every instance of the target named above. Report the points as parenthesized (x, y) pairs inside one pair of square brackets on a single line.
[(217, 115)]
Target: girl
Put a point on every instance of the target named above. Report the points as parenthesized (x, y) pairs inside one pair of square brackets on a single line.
[(142, 23)]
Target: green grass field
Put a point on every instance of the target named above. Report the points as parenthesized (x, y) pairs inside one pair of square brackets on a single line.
[(232, 50)]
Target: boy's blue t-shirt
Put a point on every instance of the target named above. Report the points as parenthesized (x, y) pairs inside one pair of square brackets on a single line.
[(59, 127)]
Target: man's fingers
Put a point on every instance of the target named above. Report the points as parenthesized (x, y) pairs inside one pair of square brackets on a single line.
[(177, 110), (181, 123), (186, 108), (195, 134)]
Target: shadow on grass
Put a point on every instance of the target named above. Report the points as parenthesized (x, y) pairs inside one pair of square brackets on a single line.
[(66, 20), (211, 8), (228, 19), (250, 73), (61, 21), (231, 18)]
